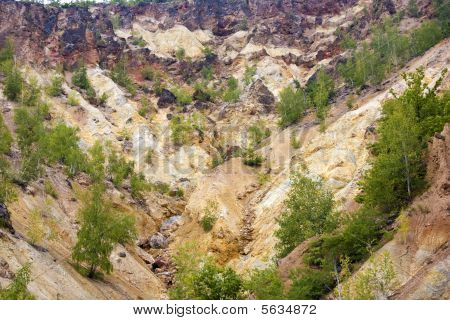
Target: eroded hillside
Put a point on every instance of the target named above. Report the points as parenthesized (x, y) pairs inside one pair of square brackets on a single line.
[(186, 92)]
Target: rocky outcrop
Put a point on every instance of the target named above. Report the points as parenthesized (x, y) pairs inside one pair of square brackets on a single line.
[(5, 219)]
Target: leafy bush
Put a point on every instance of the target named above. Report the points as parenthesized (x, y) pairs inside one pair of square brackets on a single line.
[(80, 78), (208, 52), (180, 54), (13, 84), (309, 284), (17, 290), (216, 283), (181, 129), (138, 186), (72, 99), (257, 132), (102, 227), (62, 147), (251, 158), (5, 138), (292, 105), (320, 91), (232, 93), (249, 73), (50, 189), (209, 216), (119, 74), (55, 87), (207, 73), (183, 96), (147, 73), (424, 37), (308, 212), (36, 231), (119, 168), (265, 284)]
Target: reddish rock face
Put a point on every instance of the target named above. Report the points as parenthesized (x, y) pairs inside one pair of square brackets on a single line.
[(48, 35)]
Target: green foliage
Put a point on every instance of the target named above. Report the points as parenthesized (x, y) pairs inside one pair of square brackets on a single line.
[(232, 93), (424, 37), (119, 74), (5, 138), (55, 87), (181, 129), (207, 73), (252, 158), (72, 99), (442, 12), (209, 217), (387, 51), (216, 283), (147, 72), (13, 84), (35, 231), (115, 21), (265, 284), (348, 42), (199, 278), (80, 78), (204, 93), (17, 290), (377, 281), (138, 186), (208, 52), (308, 212), (96, 163), (292, 105), (249, 73), (320, 91), (62, 147), (257, 132), (412, 8), (183, 96), (138, 41), (145, 107), (50, 189), (119, 168), (309, 284), (408, 121), (102, 227), (180, 54), (7, 52)]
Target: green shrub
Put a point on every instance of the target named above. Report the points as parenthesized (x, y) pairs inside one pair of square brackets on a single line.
[(208, 52), (183, 96), (249, 73), (32, 93), (257, 132), (251, 158), (17, 289), (320, 91), (61, 145), (102, 227), (119, 74), (209, 216), (207, 73), (7, 52), (72, 99), (50, 189), (145, 107), (232, 93), (216, 283), (119, 168), (138, 186), (181, 129), (96, 163), (147, 73), (308, 212), (55, 87), (13, 84), (424, 37), (5, 138), (265, 284), (80, 78), (310, 284), (292, 106), (180, 54)]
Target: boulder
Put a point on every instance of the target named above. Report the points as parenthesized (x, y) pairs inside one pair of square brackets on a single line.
[(262, 94), (5, 218), (158, 241), (166, 98)]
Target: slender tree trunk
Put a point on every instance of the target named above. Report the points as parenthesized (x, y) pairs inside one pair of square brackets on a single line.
[(408, 178)]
